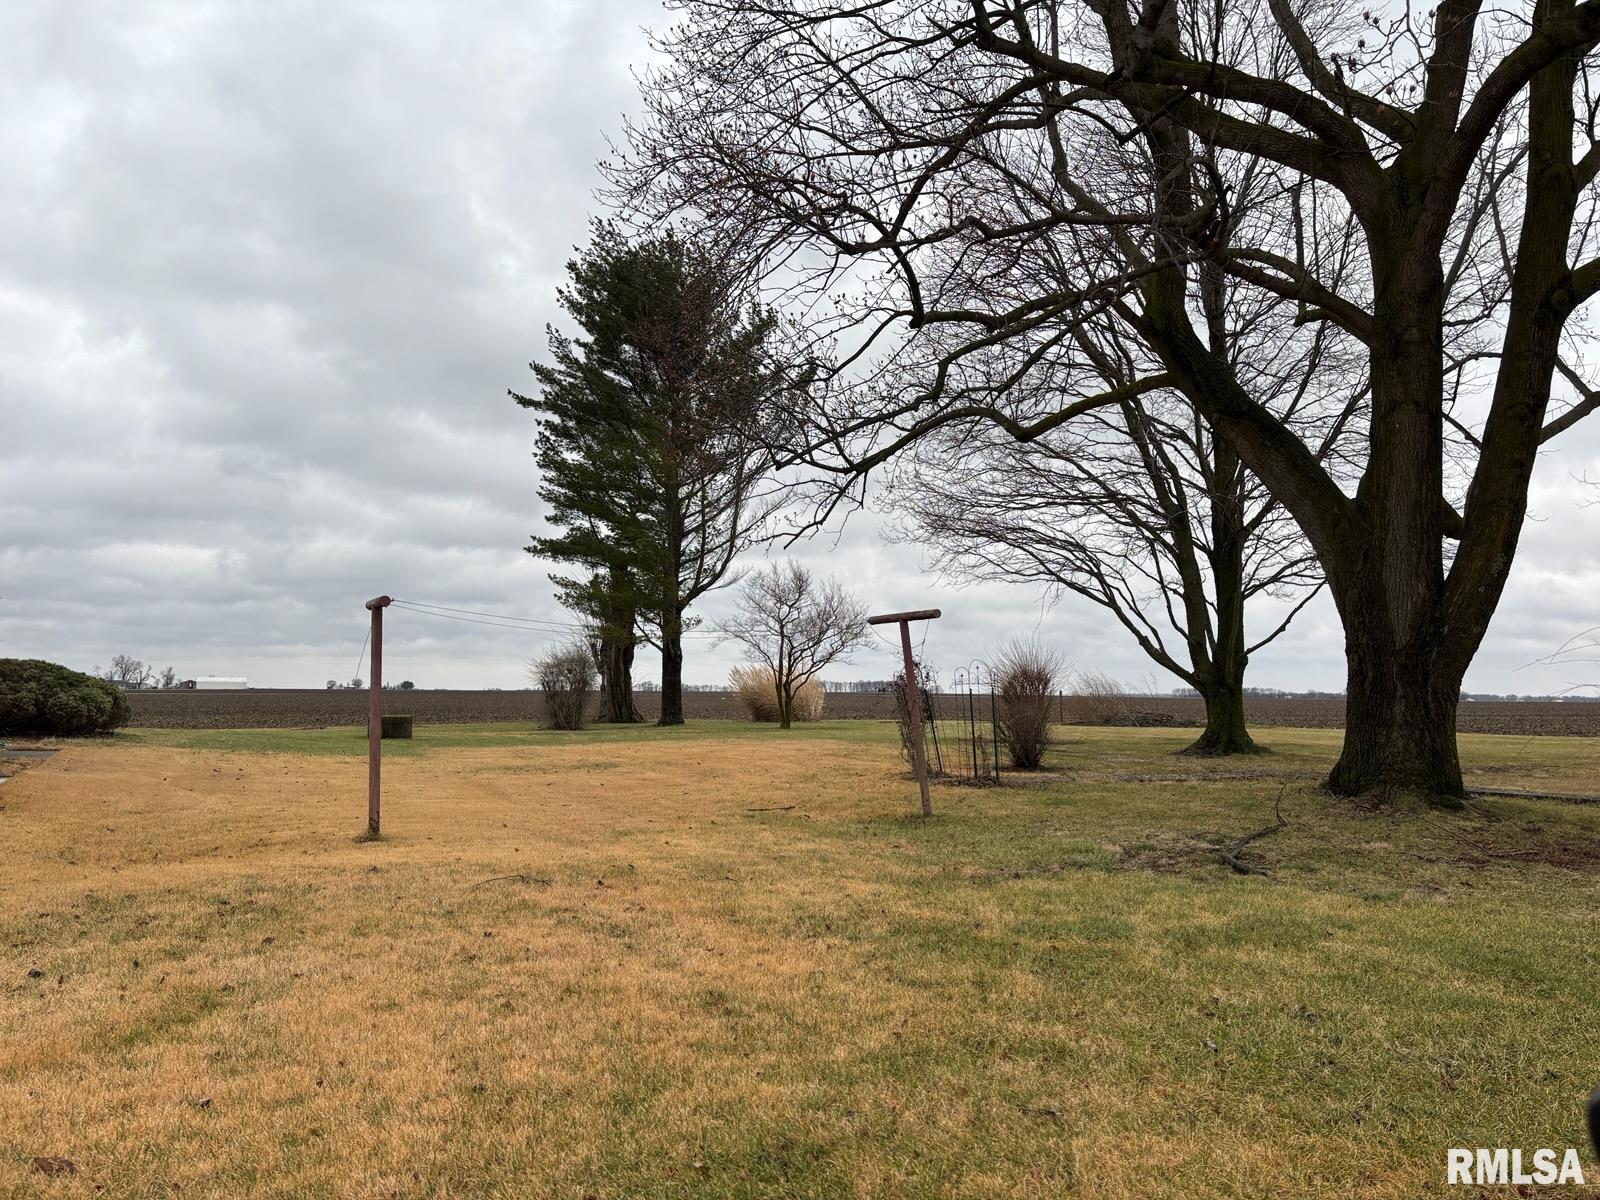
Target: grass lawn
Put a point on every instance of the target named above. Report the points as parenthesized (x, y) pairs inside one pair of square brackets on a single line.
[(581, 965)]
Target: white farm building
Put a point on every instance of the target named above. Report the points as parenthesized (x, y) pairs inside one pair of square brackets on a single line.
[(220, 683)]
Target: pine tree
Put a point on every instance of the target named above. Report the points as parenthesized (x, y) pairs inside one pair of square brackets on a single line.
[(651, 442)]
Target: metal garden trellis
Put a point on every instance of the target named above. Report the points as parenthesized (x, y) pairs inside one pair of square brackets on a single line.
[(973, 679)]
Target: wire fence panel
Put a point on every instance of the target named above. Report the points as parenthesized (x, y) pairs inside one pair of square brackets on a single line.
[(964, 726)]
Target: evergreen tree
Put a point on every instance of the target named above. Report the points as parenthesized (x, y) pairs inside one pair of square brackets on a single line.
[(650, 443)]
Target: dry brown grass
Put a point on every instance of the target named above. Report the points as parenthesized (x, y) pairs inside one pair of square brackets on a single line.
[(375, 1020), (588, 970)]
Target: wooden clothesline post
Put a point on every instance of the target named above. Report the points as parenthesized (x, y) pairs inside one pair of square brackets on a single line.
[(919, 754), (375, 715)]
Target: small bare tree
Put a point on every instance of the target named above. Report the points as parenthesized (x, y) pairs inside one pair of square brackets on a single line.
[(1099, 698), (795, 625)]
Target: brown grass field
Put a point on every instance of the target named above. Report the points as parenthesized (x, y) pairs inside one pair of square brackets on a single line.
[(585, 966)]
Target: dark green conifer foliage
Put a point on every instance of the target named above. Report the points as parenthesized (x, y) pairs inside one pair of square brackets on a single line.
[(654, 419)]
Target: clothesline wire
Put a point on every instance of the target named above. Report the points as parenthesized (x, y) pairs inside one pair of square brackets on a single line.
[(525, 627), (362, 657), (894, 643), (418, 604), (503, 621), (471, 616)]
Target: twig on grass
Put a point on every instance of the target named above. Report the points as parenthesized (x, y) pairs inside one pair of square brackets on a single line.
[(1034, 1110), (1529, 855), (779, 808), (1231, 857)]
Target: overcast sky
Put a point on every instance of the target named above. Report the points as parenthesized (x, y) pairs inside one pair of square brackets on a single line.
[(266, 273)]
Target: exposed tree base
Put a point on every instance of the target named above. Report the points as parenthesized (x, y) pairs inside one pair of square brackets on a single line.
[(1225, 733), (1209, 745), (1397, 797), (1409, 784)]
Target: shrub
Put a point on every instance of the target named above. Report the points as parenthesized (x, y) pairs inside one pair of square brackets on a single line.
[(902, 718), (1026, 678), (565, 675), (1098, 699), (42, 699), (757, 689)]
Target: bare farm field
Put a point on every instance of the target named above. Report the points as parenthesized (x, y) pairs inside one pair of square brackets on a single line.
[(310, 708), (723, 961)]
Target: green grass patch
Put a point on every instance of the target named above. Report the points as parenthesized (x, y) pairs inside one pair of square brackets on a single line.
[(348, 739)]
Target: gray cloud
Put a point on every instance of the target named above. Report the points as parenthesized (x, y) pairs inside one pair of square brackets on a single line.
[(266, 272)]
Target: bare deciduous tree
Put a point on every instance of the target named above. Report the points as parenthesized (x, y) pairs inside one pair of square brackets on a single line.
[(1425, 188), (129, 671), (1137, 506), (795, 625)]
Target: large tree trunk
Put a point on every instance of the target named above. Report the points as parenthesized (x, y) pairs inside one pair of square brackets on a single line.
[(614, 651), (1382, 551), (615, 659), (1400, 721), (672, 671), (1404, 676)]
